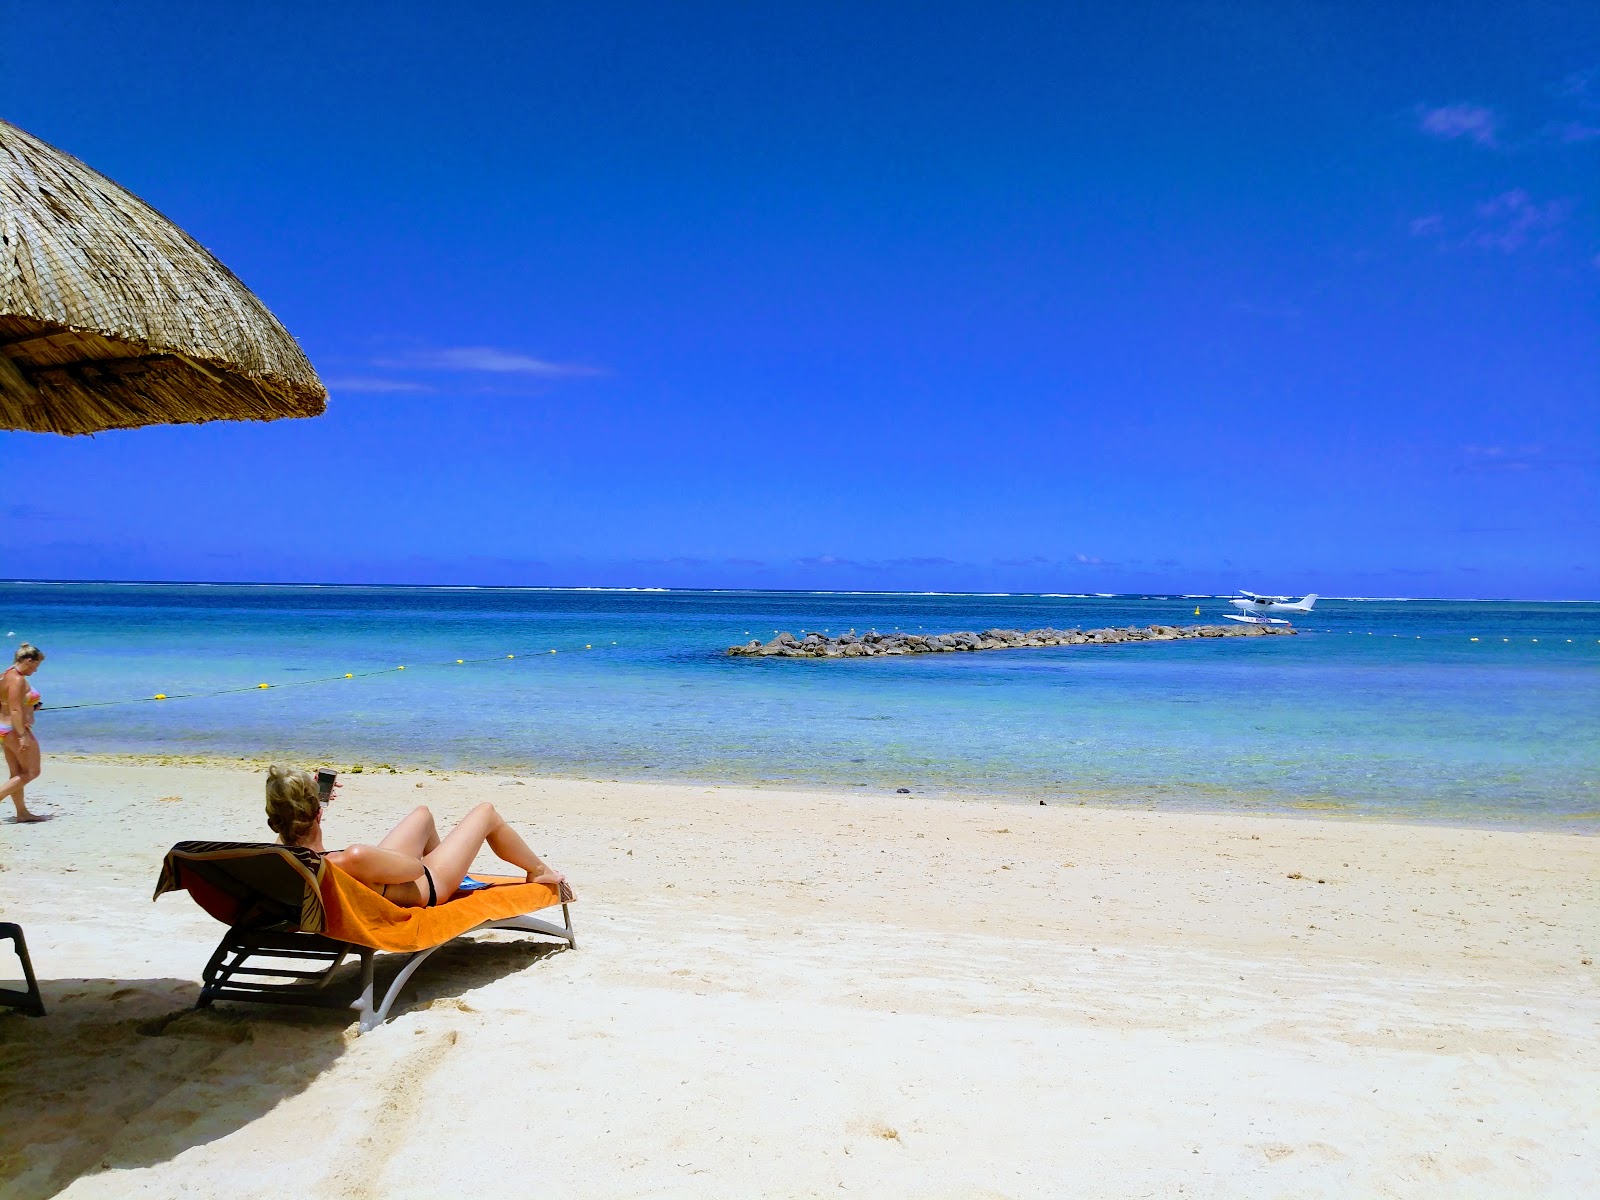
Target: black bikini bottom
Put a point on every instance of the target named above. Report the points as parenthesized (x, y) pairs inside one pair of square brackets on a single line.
[(433, 894)]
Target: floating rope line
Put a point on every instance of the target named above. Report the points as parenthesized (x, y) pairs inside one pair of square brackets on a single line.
[(459, 662), (293, 683)]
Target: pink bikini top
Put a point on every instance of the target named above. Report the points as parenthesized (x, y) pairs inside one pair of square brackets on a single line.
[(34, 699)]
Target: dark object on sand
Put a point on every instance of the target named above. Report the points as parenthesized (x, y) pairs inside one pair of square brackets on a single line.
[(872, 643), (28, 1001), (903, 791)]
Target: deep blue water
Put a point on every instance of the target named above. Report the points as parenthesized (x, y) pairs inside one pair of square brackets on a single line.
[(1376, 708)]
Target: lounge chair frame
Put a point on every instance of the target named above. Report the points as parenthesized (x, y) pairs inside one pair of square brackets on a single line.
[(251, 965), (28, 1001)]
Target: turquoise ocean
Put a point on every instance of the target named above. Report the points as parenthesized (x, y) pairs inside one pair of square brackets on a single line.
[(1485, 713)]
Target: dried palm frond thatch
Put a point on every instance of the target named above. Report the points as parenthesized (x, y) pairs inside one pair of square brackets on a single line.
[(112, 317)]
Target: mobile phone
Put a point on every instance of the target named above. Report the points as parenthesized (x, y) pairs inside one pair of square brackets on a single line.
[(325, 780)]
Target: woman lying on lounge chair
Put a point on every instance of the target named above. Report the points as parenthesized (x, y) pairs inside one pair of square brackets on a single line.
[(413, 867)]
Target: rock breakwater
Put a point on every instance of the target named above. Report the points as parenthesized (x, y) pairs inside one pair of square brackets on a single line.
[(871, 643)]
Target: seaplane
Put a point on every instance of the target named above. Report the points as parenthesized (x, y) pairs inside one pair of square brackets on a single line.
[(1257, 609)]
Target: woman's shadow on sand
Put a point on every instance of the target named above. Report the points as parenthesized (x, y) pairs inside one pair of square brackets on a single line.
[(126, 1073)]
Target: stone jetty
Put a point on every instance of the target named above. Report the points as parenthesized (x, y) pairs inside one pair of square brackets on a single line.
[(871, 643)]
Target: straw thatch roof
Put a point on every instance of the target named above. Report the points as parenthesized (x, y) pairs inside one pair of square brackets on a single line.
[(112, 317)]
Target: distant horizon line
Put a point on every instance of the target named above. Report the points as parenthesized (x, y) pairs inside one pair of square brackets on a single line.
[(527, 587)]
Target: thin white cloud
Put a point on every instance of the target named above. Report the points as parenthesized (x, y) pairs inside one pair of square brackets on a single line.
[(1574, 132), (1579, 95), (1251, 308), (1513, 219), (1450, 122), (1582, 87), (1506, 223), (1476, 459), (874, 564), (367, 383), (488, 359)]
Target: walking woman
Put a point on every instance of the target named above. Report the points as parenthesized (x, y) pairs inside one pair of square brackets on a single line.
[(17, 702)]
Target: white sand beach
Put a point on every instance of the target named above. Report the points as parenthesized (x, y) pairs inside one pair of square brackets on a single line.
[(780, 993)]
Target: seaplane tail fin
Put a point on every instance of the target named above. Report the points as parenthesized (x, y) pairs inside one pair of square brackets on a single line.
[(1311, 598)]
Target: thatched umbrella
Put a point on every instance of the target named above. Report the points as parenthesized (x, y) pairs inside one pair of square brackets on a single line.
[(112, 317)]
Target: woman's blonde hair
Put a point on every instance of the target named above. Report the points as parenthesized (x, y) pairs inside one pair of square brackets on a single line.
[(27, 653), (292, 803)]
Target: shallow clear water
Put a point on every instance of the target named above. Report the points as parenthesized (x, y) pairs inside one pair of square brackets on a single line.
[(1376, 707)]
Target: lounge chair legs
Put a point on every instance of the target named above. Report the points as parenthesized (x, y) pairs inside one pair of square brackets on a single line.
[(235, 971), (371, 1018), (251, 965), (28, 1001)]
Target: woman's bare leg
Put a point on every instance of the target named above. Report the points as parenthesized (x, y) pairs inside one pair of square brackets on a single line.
[(16, 778), (417, 835), (22, 769), (451, 861)]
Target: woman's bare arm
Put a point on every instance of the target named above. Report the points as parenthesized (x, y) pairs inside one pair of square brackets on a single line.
[(18, 711), (375, 864)]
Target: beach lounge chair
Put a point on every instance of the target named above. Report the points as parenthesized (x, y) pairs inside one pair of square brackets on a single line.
[(28, 1001), (293, 918)]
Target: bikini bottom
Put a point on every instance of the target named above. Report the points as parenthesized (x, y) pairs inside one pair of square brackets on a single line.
[(433, 894)]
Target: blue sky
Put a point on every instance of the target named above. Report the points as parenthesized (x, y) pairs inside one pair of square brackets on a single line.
[(1006, 297)]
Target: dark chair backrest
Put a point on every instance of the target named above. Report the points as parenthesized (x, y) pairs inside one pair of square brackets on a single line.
[(257, 885)]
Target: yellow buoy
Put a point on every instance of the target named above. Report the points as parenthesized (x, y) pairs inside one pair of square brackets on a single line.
[(1197, 610), (263, 685), (459, 661), (552, 652), (348, 675), (588, 647), (159, 696), (511, 656), (399, 668)]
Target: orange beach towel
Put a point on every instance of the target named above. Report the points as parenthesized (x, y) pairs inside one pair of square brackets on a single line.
[(356, 913)]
